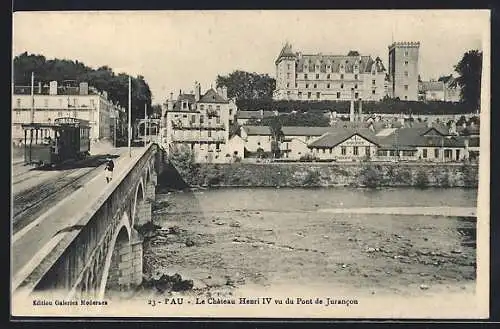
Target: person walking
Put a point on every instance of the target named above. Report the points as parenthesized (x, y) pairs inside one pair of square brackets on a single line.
[(109, 170)]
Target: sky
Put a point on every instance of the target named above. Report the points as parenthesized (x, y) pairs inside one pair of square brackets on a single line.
[(173, 49)]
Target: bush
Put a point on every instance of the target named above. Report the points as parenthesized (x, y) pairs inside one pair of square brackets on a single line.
[(370, 176), (469, 175), (308, 157), (422, 180), (312, 178), (182, 158)]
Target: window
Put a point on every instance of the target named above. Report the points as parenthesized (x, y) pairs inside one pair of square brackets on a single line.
[(91, 102), (406, 52), (230, 111), (309, 95), (288, 85), (331, 150), (338, 94), (406, 87), (202, 119), (356, 95), (355, 150), (328, 75), (288, 66), (202, 107), (392, 153), (193, 118), (341, 86), (288, 75), (436, 153), (318, 95), (355, 86), (296, 76), (209, 133), (305, 76), (18, 102), (75, 102), (300, 94), (373, 82), (323, 151), (343, 150), (355, 77), (406, 98), (367, 151), (342, 76), (448, 153), (307, 85), (327, 85), (406, 62), (315, 86), (317, 76), (406, 73), (210, 107), (373, 92), (217, 119), (288, 93), (424, 153)]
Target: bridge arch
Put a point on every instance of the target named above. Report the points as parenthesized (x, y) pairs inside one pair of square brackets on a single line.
[(139, 196), (120, 244)]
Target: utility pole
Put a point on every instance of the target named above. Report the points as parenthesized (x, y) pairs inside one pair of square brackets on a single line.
[(145, 123), (32, 97), (129, 115), (114, 128)]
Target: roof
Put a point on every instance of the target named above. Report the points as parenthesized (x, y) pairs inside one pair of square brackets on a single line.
[(257, 130), (182, 97), (335, 61), (254, 114), (286, 51), (409, 138), (337, 136), (211, 96), (304, 131), (424, 86)]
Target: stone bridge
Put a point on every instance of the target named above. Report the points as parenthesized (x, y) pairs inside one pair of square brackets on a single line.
[(104, 251)]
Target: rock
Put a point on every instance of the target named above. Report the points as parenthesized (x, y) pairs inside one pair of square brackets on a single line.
[(257, 212), (456, 251), (220, 223), (344, 265), (426, 239), (370, 250), (424, 287), (189, 243), (377, 249), (325, 236), (350, 239), (235, 224)]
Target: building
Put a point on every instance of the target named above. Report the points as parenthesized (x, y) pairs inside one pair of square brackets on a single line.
[(345, 144), (438, 91), (243, 117), (256, 137), (403, 70), (328, 77), (54, 101), (201, 122)]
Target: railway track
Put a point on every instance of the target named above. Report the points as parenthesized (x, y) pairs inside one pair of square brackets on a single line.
[(30, 203)]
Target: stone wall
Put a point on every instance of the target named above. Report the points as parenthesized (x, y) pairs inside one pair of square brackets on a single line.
[(327, 174)]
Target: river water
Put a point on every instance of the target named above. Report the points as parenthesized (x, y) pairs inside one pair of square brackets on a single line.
[(268, 238)]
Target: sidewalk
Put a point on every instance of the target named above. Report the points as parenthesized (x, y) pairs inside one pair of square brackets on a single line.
[(31, 244)]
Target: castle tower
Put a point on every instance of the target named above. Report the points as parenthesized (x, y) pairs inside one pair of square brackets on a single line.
[(403, 70), (285, 72)]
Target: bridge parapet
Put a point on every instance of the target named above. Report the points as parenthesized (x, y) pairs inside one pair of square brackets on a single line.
[(80, 261)]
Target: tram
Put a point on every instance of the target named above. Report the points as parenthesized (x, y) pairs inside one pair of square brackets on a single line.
[(49, 144)]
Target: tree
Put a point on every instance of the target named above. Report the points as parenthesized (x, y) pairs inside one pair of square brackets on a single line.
[(246, 85), (469, 79), (277, 136), (353, 53)]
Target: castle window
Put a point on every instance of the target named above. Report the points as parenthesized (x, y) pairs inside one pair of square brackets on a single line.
[(406, 62), (406, 87), (296, 76), (406, 98), (356, 86), (296, 85), (307, 85), (373, 92), (327, 85), (373, 82), (288, 85), (406, 73), (305, 76), (341, 86), (343, 150), (328, 76), (342, 76), (317, 95), (356, 95), (202, 107), (309, 95), (315, 86), (317, 76), (338, 94), (406, 52), (355, 77), (300, 94)]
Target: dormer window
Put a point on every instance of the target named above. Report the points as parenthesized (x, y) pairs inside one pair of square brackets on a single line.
[(184, 104)]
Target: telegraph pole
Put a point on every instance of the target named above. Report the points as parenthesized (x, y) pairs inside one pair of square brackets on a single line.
[(129, 115), (32, 97), (145, 123)]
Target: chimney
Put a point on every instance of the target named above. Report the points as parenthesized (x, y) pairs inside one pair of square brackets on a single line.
[(197, 91), (53, 88), (224, 92), (84, 88), (171, 96), (351, 114)]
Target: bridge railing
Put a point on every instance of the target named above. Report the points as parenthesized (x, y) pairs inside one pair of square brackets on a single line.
[(62, 269)]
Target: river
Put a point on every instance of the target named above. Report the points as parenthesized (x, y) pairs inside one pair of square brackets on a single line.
[(250, 239)]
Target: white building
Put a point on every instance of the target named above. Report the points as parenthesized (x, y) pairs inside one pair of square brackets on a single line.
[(201, 122), (53, 101)]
